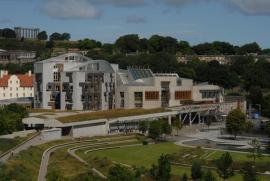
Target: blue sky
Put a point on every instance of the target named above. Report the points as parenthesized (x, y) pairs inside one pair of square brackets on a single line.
[(235, 21)]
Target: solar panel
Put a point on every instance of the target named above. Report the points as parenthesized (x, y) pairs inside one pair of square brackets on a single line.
[(140, 73)]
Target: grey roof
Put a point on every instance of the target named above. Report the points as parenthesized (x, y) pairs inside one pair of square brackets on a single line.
[(140, 73)]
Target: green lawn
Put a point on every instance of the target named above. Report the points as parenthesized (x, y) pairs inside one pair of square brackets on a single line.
[(107, 114), (148, 155)]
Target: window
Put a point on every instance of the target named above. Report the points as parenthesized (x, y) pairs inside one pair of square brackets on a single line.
[(17, 95), (10, 94), (122, 99), (10, 82), (138, 98), (183, 95), (16, 88), (23, 94), (152, 95), (4, 95), (11, 88), (56, 76)]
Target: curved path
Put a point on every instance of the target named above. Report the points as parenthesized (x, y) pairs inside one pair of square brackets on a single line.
[(46, 154)]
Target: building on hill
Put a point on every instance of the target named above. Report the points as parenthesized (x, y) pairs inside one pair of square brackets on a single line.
[(16, 86), (74, 82), (27, 33), (17, 56)]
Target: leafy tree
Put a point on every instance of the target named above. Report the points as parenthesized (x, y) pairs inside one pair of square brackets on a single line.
[(120, 173), (88, 44), (162, 171), (178, 125), (208, 121), (184, 177), (224, 165), (236, 122), (8, 33), (55, 36), (165, 127), (143, 126), (154, 130), (184, 48), (267, 148), (255, 95), (65, 36), (159, 43), (42, 35), (128, 43), (255, 151), (249, 126), (249, 48), (196, 170), (249, 172), (209, 176)]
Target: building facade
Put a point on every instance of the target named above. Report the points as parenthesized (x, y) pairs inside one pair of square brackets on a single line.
[(17, 56), (75, 82), (27, 33), (16, 86)]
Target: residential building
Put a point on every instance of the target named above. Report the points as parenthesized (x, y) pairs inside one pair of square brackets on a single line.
[(75, 82), (16, 86), (27, 33), (17, 56)]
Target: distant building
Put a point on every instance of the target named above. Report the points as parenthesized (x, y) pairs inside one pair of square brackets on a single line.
[(222, 59), (16, 86), (75, 82), (17, 56), (27, 33)]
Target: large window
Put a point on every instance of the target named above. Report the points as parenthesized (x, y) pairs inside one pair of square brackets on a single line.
[(151, 95), (138, 99), (209, 94), (183, 95)]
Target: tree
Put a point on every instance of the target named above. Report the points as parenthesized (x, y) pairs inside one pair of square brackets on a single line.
[(196, 170), (255, 151), (42, 35), (267, 148), (128, 43), (8, 33), (208, 121), (143, 126), (184, 177), (209, 176), (55, 36), (249, 126), (236, 122), (120, 173), (161, 172), (178, 125), (88, 44), (154, 130), (159, 43), (255, 95), (249, 172), (224, 165), (65, 36), (165, 127), (249, 48)]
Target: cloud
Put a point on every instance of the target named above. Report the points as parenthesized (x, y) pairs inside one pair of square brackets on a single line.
[(253, 6), (69, 9), (136, 19), (256, 7), (5, 20), (128, 3)]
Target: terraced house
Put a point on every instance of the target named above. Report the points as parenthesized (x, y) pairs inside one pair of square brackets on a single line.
[(74, 82)]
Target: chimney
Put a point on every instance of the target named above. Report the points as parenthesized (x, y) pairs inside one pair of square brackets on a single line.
[(3, 72)]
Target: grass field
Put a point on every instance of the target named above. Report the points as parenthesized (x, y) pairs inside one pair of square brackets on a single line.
[(107, 114), (7, 144), (148, 155)]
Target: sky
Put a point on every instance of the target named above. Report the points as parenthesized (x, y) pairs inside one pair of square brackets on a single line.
[(196, 21)]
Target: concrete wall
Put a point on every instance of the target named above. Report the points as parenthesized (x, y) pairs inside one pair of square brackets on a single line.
[(51, 134), (89, 131)]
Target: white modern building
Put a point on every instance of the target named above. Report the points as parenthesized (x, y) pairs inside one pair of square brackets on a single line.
[(75, 82), (27, 33), (16, 86)]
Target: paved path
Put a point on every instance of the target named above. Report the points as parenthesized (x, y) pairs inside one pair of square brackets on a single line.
[(46, 155), (33, 141)]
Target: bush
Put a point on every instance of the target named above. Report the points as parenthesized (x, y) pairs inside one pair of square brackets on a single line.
[(145, 142)]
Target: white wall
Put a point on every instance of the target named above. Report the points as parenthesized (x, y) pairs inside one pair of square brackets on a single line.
[(89, 131)]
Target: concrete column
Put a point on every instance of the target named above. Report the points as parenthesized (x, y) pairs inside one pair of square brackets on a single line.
[(170, 120), (180, 117), (199, 117), (190, 119)]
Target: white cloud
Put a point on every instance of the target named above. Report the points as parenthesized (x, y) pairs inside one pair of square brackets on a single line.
[(70, 9), (245, 6)]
